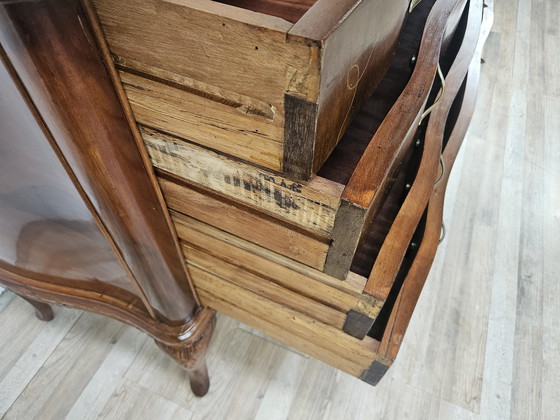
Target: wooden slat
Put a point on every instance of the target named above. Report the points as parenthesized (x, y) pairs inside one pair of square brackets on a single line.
[(297, 330), (312, 205), (401, 123), (265, 288), (220, 126), (280, 270), (414, 282), (250, 225), (392, 252), (224, 46)]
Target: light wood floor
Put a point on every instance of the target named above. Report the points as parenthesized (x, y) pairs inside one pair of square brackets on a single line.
[(484, 342)]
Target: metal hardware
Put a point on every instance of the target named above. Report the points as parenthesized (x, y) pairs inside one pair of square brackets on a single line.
[(438, 99), (442, 163), (443, 232), (413, 4)]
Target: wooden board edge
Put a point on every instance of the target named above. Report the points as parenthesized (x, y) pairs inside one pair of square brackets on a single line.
[(300, 116)]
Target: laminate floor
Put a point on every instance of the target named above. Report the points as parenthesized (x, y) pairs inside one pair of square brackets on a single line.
[(484, 341)]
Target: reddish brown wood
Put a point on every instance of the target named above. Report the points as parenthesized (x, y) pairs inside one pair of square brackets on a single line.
[(401, 123), (353, 219), (43, 311), (58, 80), (36, 41), (415, 279), (390, 257), (191, 353)]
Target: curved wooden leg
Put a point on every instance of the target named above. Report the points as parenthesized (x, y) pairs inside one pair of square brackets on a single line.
[(191, 354), (43, 311)]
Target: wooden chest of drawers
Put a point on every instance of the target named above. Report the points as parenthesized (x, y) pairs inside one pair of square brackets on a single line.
[(272, 83), (302, 149)]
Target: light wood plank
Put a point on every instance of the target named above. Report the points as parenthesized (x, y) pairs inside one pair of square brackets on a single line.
[(56, 394), (225, 215), (95, 396), (153, 32), (528, 359), (202, 121), (265, 288), (312, 205), (499, 352), (551, 259), (287, 272), (298, 330)]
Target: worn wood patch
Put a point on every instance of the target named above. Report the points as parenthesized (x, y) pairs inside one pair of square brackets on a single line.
[(226, 127), (241, 221), (301, 125), (310, 205)]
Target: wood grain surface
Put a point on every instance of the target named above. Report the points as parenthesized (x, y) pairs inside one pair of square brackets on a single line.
[(492, 347)]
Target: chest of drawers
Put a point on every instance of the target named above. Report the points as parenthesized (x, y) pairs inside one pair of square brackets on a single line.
[(325, 247)]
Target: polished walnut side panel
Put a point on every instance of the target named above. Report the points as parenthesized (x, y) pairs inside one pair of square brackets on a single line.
[(77, 130), (54, 53)]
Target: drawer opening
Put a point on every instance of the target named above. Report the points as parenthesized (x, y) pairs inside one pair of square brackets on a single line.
[(380, 324), (290, 10), (404, 173), (346, 155), (344, 158), (400, 182)]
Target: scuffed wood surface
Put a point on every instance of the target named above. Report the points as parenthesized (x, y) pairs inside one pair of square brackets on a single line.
[(312, 205)]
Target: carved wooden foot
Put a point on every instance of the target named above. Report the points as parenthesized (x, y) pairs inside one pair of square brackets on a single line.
[(191, 354), (43, 311)]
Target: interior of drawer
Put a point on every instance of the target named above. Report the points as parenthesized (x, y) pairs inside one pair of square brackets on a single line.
[(404, 175), (290, 10), (343, 160), (370, 248)]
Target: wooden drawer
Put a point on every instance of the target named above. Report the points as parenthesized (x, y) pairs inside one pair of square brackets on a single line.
[(321, 223), (273, 83), (358, 324)]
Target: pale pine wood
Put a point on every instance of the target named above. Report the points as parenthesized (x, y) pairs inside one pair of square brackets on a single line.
[(297, 330), (212, 124), (311, 206), (147, 32), (264, 288), (278, 237), (274, 268)]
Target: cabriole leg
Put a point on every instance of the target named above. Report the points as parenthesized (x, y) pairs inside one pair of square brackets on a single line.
[(191, 355), (43, 311)]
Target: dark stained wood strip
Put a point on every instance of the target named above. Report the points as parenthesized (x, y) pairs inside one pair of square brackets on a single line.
[(418, 273), (299, 133), (394, 248), (380, 156)]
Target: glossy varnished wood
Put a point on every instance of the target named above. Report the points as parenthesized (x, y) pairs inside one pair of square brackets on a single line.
[(47, 66), (55, 55)]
